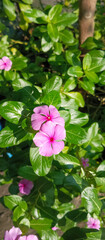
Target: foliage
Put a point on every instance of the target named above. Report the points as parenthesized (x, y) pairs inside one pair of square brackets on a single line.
[(48, 69)]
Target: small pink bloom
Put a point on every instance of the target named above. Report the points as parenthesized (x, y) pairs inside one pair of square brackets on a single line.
[(85, 162), (48, 139), (5, 63), (93, 223), (25, 186), (54, 228), (29, 237), (12, 234), (45, 114)]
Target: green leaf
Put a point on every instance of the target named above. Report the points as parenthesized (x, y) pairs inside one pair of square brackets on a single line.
[(27, 1), (98, 61), (78, 118), (41, 224), (66, 36), (36, 16), (66, 115), (58, 48), (25, 222), (77, 96), (53, 83), (72, 58), (67, 160), (87, 61), (13, 135), (87, 85), (20, 84), (54, 12), (75, 134), (49, 234), (92, 76), (75, 71), (27, 172), (74, 233), (52, 98), (90, 200), (66, 19), (53, 32), (9, 9), (11, 111), (46, 43), (41, 165), (12, 201), (96, 235), (17, 213), (102, 78), (19, 63), (70, 84)]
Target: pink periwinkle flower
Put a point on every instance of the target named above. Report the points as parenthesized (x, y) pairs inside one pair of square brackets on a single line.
[(85, 162), (54, 228), (93, 223), (29, 237), (45, 114), (5, 63), (49, 139), (12, 234), (25, 186)]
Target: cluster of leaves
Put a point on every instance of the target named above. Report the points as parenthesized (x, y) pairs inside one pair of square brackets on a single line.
[(47, 69)]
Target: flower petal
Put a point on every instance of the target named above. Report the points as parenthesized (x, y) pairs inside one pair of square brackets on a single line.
[(37, 120), (14, 233), (48, 128), (59, 121), (59, 133), (46, 150), (1, 65), (32, 237), (40, 138), (53, 111), (7, 236), (42, 110), (57, 147)]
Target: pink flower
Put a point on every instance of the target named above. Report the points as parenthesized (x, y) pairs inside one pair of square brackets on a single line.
[(29, 237), (25, 186), (5, 63), (45, 114), (12, 234), (85, 162), (48, 139), (93, 223), (54, 228)]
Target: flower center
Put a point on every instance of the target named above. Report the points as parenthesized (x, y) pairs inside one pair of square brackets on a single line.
[(51, 139), (48, 118)]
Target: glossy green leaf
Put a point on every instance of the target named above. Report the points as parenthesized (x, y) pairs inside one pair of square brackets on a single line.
[(87, 85), (9, 9), (36, 16), (27, 172), (53, 83), (12, 201), (77, 96), (66, 37), (70, 84), (46, 43), (19, 63), (54, 12), (67, 160), (41, 224), (75, 134), (58, 48), (92, 76), (66, 19), (52, 98), (49, 234), (72, 58), (27, 1), (75, 71), (87, 61), (13, 135), (17, 213), (78, 118), (12, 111), (102, 78), (41, 165), (91, 201), (53, 32), (98, 61)]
